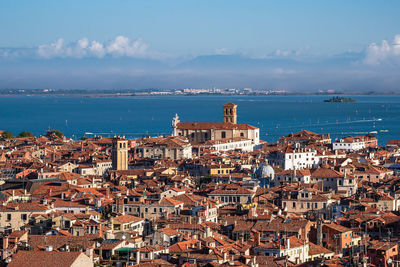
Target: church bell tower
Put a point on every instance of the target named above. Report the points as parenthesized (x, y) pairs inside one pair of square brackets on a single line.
[(230, 113), (119, 154)]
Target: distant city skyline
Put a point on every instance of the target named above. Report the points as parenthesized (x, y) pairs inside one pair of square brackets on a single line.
[(291, 45)]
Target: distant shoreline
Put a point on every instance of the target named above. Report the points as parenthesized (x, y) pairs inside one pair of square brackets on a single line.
[(97, 94)]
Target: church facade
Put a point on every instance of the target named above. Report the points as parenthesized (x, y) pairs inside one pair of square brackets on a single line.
[(226, 131)]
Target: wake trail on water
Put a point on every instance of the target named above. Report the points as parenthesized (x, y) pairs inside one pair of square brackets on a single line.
[(330, 123)]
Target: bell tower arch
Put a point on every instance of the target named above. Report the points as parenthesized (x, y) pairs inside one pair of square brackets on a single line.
[(230, 113)]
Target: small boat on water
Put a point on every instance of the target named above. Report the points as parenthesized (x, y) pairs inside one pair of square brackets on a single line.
[(373, 132), (384, 131)]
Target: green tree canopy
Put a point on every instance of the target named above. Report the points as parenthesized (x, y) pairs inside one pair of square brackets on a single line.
[(25, 134), (56, 132), (83, 138), (6, 135)]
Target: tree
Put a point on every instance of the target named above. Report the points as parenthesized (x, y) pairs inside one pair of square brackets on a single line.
[(7, 135), (25, 134), (56, 132), (83, 138)]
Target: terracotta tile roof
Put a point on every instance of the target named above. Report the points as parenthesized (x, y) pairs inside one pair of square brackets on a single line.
[(214, 125), (229, 104), (17, 234), (127, 218), (393, 142), (293, 225), (169, 231), (58, 241), (317, 250), (381, 245), (182, 246), (169, 201), (243, 226), (23, 207), (326, 173), (44, 258), (337, 227)]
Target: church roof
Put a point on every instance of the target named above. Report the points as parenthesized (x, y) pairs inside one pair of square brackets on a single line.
[(229, 105), (214, 125)]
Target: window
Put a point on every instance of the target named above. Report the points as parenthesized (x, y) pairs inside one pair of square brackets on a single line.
[(24, 217), (8, 217), (241, 134), (223, 134)]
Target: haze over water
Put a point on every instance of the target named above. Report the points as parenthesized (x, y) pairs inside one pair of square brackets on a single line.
[(276, 116)]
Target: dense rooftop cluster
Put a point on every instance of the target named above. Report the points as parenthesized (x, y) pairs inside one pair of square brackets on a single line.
[(302, 201)]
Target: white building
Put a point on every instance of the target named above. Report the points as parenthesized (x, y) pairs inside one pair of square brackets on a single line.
[(297, 250), (246, 145), (172, 147), (355, 143), (350, 144), (95, 168), (294, 158)]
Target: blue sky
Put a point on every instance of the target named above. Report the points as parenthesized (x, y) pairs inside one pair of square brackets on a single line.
[(34, 33)]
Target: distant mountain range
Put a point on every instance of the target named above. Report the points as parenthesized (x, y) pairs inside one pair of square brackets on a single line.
[(341, 72)]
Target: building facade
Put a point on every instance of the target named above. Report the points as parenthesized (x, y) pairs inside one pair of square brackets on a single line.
[(201, 132)]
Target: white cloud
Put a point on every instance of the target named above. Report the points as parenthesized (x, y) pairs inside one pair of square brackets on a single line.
[(120, 46), (385, 52), (51, 50), (97, 49), (123, 46), (284, 53)]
